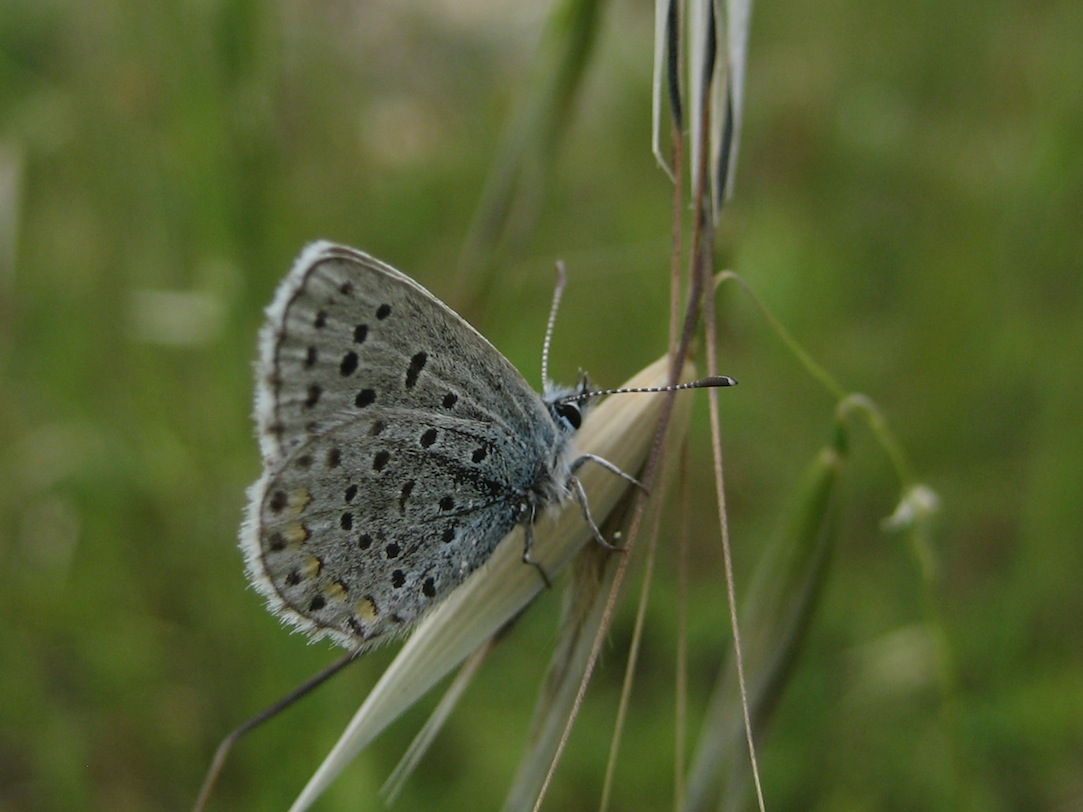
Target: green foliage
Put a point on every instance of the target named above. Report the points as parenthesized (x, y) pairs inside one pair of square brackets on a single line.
[(908, 197)]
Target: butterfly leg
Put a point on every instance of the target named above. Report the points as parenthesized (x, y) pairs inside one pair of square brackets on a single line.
[(528, 549), (581, 498), (607, 465)]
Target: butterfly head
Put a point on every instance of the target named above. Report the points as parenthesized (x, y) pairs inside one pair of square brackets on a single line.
[(568, 405)]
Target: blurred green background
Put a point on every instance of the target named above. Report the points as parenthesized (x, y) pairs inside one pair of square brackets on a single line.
[(909, 200)]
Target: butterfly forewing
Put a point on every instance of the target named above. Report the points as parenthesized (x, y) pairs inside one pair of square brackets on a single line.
[(347, 332)]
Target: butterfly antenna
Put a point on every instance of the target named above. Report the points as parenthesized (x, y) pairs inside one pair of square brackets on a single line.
[(704, 383), (558, 291)]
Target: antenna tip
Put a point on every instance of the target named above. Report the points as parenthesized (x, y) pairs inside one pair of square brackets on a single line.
[(718, 380)]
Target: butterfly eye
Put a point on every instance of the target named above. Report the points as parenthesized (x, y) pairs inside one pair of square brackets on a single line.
[(570, 414)]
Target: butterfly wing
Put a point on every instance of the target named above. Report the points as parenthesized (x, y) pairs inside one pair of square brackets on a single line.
[(347, 332), (397, 446)]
